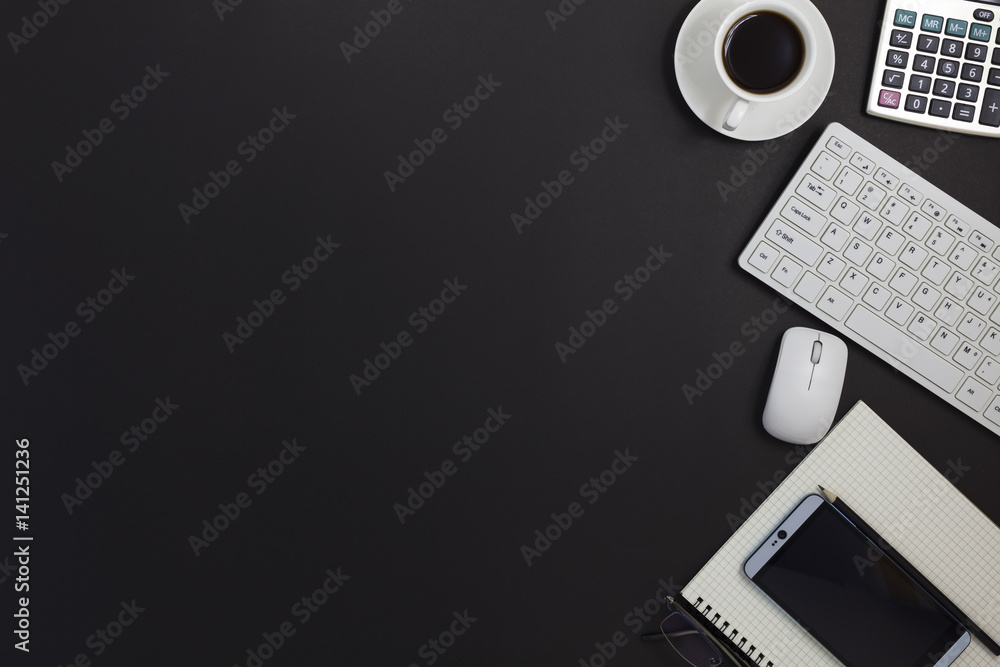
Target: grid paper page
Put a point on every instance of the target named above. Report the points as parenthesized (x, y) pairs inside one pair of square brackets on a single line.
[(913, 506)]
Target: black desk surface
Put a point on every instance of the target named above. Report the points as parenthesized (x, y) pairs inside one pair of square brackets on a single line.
[(213, 399)]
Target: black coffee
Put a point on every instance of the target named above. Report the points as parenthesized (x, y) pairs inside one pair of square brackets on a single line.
[(763, 52)]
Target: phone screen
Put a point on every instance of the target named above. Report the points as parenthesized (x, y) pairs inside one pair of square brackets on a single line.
[(865, 610)]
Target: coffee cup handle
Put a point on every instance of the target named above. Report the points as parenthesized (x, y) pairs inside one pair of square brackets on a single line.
[(735, 115)]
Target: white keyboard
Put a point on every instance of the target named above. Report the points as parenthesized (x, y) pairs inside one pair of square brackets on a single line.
[(892, 262)]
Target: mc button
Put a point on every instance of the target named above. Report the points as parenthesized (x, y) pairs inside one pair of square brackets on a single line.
[(905, 18)]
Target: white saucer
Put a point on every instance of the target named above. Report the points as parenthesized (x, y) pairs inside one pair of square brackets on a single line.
[(710, 99)]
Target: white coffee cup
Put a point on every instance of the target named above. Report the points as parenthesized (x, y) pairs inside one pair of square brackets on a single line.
[(744, 98)]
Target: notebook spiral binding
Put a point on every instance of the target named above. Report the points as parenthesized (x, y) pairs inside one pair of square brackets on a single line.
[(719, 633)]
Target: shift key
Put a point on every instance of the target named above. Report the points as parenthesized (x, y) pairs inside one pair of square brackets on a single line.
[(793, 241), (817, 194)]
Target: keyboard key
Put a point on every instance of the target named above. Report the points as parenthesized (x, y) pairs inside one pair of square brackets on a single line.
[(976, 52), (982, 301), (794, 242), (989, 371), (913, 256), (836, 237), (947, 68), (809, 287), (934, 210), (787, 272), (831, 267), (901, 39), (915, 104), (964, 112), (958, 286), (936, 271), (956, 28), (974, 394), (922, 327), (940, 241), (849, 180), (886, 179), (871, 196), (839, 148), (926, 297), (940, 108), (931, 23), (890, 241), (971, 327), (814, 192), (917, 226), (967, 92), (881, 267), (863, 164), (867, 226), (903, 282), (956, 225), (972, 72), (980, 32), (897, 59), (804, 216), (952, 47), (949, 312), (967, 356), (909, 194), (845, 211), (854, 282), (944, 88), (986, 272), (990, 115), (764, 257), (877, 296), (858, 252), (923, 63), (905, 19), (963, 256), (928, 43), (834, 303), (992, 341), (980, 240), (900, 347), (945, 342), (894, 211), (993, 412), (825, 166)]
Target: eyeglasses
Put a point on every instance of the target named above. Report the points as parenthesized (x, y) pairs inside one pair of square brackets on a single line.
[(689, 642)]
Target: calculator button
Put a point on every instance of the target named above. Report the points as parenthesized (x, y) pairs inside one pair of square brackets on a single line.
[(991, 108), (976, 52), (901, 38), (948, 67), (972, 72), (928, 43), (932, 23), (897, 59), (994, 78), (920, 84), (944, 88), (923, 63), (996, 55), (983, 15), (980, 33), (952, 48), (964, 112), (905, 19), (940, 108), (968, 93), (956, 28), (893, 79), (888, 98), (916, 103)]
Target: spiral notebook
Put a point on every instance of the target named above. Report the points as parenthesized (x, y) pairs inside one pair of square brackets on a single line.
[(912, 505)]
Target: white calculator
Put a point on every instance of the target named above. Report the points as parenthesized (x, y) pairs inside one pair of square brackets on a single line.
[(938, 65)]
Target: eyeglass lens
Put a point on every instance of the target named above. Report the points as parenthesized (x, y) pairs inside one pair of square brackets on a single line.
[(689, 643)]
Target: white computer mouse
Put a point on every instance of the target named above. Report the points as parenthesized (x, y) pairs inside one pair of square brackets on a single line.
[(805, 391)]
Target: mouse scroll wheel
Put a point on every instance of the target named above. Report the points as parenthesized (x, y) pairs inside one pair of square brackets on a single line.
[(817, 352)]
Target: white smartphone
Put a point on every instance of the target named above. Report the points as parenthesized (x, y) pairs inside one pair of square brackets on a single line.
[(849, 595)]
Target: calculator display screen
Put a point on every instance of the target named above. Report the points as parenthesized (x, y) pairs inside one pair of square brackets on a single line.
[(853, 599)]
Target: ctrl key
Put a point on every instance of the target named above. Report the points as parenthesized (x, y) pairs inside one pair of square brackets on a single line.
[(763, 257)]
